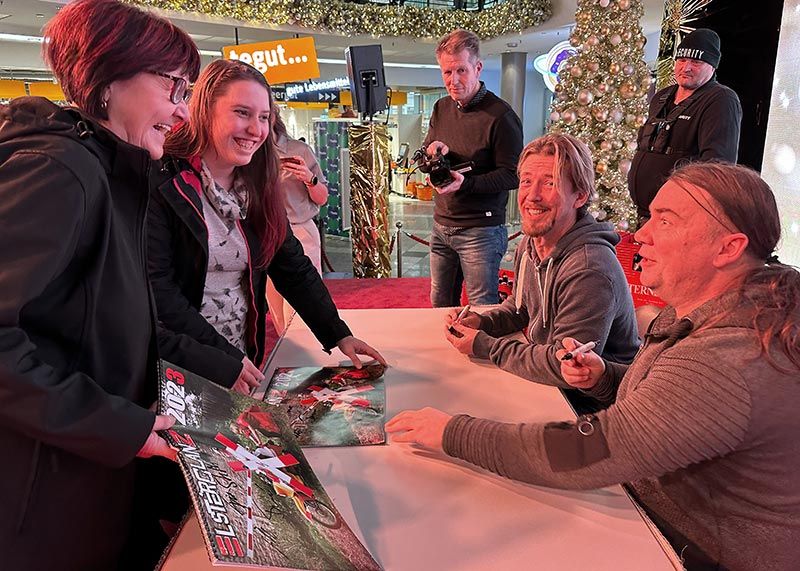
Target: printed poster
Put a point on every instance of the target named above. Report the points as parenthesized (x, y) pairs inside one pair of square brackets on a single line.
[(257, 498), (331, 406)]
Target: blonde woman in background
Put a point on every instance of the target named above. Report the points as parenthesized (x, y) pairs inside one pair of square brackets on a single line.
[(304, 189)]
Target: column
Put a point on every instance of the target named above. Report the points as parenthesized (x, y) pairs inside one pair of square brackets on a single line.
[(512, 81)]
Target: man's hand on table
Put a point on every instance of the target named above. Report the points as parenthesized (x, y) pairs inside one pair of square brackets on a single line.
[(352, 347), (424, 427), (464, 337)]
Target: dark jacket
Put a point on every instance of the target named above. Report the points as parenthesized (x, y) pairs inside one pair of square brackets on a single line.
[(578, 291), (77, 345), (178, 261), (487, 132), (703, 127)]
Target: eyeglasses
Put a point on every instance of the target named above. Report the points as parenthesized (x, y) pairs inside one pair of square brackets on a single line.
[(180, 88)]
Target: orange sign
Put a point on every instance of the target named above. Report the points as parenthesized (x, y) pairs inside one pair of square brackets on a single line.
[(281, 61)]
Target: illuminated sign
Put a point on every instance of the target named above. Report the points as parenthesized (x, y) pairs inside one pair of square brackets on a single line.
[(550, 64), (317, 91), (281, 61)]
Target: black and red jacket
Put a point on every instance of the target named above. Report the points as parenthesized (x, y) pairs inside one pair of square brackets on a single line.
[(178, 260)]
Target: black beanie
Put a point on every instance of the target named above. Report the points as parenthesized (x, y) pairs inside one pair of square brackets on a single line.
[(702, 44)]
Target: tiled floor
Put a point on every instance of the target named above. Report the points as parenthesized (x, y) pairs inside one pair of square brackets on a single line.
[(417, 218)]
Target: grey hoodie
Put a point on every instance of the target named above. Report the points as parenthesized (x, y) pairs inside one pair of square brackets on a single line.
[(578, 291)]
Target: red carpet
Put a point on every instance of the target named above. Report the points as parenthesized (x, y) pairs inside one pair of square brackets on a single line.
[(372, 293)]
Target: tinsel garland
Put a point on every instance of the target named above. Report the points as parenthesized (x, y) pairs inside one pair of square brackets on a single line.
[(348, 18), (601, 97)]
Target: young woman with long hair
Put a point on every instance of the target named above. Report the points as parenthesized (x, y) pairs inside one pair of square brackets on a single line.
[(218, 227)]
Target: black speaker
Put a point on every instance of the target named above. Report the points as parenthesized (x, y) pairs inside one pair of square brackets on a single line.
[(367, 81)]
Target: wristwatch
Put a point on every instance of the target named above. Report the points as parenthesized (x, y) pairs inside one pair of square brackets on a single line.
[(313, 182)]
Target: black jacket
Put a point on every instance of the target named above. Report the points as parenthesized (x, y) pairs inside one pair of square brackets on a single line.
[(178, 260), (77, 344), (703, 127), (487, 132)]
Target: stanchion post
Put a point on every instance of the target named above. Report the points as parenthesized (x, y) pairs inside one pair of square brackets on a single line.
[(399, 226)]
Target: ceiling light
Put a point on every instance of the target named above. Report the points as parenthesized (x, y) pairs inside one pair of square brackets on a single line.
[(212, 53), (21, 38)]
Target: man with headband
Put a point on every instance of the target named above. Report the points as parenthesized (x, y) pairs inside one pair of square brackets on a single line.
[(704, 429), (693, 119)]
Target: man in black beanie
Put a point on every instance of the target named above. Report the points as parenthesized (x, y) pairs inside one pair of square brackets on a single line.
[(694, 119)]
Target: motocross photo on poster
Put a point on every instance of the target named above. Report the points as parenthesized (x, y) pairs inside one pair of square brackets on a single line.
[(257, 499), (331, 406)]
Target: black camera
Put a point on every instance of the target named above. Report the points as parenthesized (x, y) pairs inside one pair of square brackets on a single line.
[(437, 167)]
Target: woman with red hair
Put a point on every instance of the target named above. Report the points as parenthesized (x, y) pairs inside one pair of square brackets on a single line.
[(77, 327)]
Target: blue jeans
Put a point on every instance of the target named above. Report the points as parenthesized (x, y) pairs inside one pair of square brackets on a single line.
[(466, 255)]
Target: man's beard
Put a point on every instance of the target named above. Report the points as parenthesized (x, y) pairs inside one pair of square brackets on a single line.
[(539, 228)]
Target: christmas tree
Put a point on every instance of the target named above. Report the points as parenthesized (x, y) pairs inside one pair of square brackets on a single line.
[(601, 97)]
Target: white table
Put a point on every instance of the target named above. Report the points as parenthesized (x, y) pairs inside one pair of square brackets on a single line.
[(416, 510)]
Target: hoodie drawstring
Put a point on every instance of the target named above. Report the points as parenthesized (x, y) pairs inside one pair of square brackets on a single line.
[(543, 290), (520, 285)]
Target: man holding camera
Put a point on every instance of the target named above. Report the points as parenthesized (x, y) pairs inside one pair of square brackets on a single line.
[(474, 126), (694, 119)]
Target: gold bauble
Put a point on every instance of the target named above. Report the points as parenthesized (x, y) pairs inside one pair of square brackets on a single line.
[(592, 40), (600, 114), (624, 4), (601, 167), (626, 90), (585, 97), (569, 116), (576, 71), (614, 68)]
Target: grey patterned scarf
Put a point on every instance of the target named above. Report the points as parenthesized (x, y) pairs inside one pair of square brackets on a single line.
[(230, 205)]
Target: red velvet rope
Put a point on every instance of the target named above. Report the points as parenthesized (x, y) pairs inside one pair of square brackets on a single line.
[(426, 243)]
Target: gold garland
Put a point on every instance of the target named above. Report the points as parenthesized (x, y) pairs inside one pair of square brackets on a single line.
[(378, 20)]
